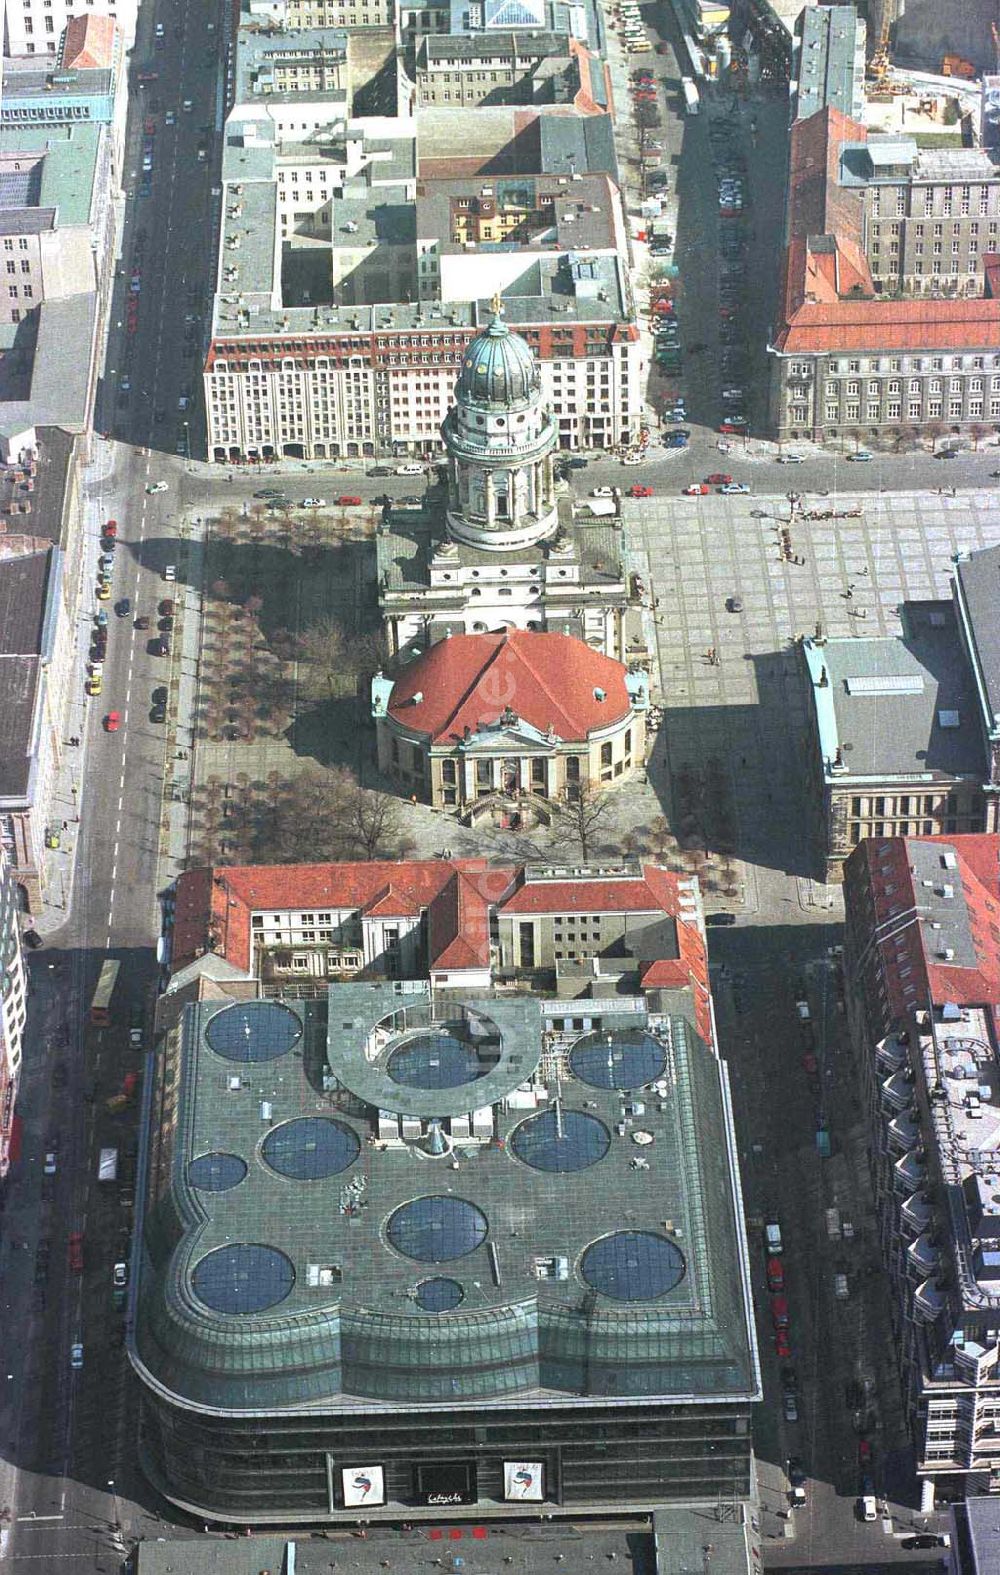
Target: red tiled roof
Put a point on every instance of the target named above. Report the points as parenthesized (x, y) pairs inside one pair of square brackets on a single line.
[(827, 290), (458, 925), (89, 43), (548, 680)]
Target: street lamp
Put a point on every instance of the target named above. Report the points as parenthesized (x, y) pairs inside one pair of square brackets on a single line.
[(114, 1506), (187, 446)]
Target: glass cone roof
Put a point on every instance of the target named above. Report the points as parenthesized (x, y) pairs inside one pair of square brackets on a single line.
[(633, 1265), (253, 1031), (562, 1141), (627, 1058), (434, 1230)]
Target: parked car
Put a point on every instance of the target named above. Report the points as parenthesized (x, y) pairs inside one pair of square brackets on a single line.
[(697, 489), (861, 456), (779, 1312), (640, 490), (313, 503), (720, 919), (348, 501), (75, 1250), (775, 1274), (782, 1344), (718, 478), (790, 459), (76, 1356), (790, 1407), (733, 487)]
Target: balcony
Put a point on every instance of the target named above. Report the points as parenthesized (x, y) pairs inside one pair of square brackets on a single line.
[(910, 1173), (897, 1091), (902, 1134), (929, 1302), (923, 1258), (890, 1054), (915, 1214)]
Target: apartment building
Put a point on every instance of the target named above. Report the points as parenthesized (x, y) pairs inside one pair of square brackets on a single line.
[(922, 985), (494, 68), (868, 342)]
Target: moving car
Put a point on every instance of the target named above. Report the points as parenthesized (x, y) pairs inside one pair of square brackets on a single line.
[(76, 1356), (348, 501), (123, 607), (790, 1407), (734, 604), (602, 492), (790, 459), (156, 486), (718, 478), (112, 722), (733, 487), (75, 1251), (119, 1276), (170, 571), (313, 503), (411, 469), (862, 457), (640, 490), (697, 489), (49, 1168)]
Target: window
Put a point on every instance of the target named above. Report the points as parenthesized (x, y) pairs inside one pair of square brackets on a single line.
[(605, 754)]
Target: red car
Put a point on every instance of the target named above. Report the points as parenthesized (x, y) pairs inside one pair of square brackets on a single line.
[(112, 722), (697, 489), (718, 478), (76, 1252), (782, 1344), (810, 1064), (110, 528), (348, 501), (864, 1453), (779, 1312), (640, 491), (149, 126), (775, 1274), (732, 426)]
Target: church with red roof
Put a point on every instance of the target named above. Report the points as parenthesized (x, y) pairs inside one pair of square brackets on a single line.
[(486, 721)]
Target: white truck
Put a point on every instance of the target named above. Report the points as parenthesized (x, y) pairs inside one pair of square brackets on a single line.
[(107, 1165), (691, 99)]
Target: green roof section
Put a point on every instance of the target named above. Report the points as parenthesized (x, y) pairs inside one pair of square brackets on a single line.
[(70, 167), (513, 1221)]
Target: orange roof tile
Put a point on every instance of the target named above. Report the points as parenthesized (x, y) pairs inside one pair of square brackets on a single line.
[(548, 680), (89, 43)]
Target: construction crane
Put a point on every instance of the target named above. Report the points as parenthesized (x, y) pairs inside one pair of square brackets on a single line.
[(878, 66)]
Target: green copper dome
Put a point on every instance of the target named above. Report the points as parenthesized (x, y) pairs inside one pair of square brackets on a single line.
[(499, 369)]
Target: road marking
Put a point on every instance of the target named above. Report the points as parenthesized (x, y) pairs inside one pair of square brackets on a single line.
[(39, 1518)]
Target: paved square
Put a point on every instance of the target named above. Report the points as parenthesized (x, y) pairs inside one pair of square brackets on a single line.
[(746, 710)]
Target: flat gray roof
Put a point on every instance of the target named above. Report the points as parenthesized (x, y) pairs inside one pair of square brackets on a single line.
[(830, 67), (903, 707), (977, 590), (19, 678)]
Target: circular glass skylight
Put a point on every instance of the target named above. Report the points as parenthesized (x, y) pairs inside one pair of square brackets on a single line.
[(310, 1148), (253, 1031), (627, 1058), (561, 1141), (243, 1278), (436, 1229), (633, 1265), (439, 1295), (436, 1060), (216, 1172)]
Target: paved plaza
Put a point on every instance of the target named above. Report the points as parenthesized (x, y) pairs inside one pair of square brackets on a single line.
[(745, 708)]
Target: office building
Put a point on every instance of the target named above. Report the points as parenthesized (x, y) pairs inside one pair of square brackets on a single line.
[(411, 1242)]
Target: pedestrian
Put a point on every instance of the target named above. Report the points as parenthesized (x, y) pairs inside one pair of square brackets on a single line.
[(65, 825)]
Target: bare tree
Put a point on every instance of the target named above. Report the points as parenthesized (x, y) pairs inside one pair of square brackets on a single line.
[(327, 814), (580, 817), (977, 432), (321, 655), (375, 819)]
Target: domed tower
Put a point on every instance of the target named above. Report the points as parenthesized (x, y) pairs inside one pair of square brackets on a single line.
[(500, 439)]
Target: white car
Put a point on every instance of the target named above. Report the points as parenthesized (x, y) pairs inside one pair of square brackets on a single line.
[(734, 487), (76, 1357), (50, 1164), (170, 571), (409, 470), (632, 459), (170, 118), (156, 486), (602, 492), (314, 503), (862, 457), (158, 30), (789, 459)]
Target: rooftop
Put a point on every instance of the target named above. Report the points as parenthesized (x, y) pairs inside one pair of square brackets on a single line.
[(831, 61), (555, 683), (977, 596), (897, 707), (19, 677), (70, 168), (399, 1204), (546, 212)]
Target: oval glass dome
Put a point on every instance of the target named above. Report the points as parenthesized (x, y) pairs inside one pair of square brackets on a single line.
[(633, 1265), (216, 1172), (627, 1058), (436, 1229), (253, 1031), (561, 1141), (243, 1278), (437, 1060), (310, 1148)]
